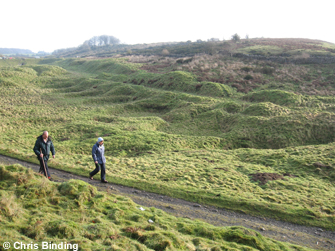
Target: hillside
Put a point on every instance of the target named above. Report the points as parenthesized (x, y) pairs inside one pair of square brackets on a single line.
[(241, 133)]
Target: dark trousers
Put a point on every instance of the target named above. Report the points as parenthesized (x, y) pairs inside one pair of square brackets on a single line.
[(46, 166), (97, 169)]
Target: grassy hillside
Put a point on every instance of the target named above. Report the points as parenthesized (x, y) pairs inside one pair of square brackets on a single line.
[(34, 210), (198, 128)]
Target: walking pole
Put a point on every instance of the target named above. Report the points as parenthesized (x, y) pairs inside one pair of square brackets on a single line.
[(45, 170)]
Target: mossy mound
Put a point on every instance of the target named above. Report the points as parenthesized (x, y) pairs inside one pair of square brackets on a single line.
[(122, 90), (179, 77), (214, 89), (78, 190), (187, 112), (265, 109), (17, 72), (181, 81), (16, 76), (48, 70), (277, 97), (110, 65)]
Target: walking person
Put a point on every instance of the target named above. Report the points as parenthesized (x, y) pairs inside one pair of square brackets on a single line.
[(98, 155), (43, 147)]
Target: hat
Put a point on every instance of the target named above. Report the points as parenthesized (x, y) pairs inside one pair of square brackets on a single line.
[(100, 139)]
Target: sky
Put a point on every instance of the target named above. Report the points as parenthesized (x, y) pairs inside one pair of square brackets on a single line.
[(48, 25)]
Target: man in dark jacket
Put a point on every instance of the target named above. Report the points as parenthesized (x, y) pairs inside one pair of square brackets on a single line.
[(98, 155), (42, 149)]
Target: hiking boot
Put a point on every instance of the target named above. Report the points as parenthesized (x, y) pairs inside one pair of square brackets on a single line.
[(104, 181)]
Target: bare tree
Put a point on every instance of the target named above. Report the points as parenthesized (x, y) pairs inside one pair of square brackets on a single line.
[(229, 48), (113, 40), (213, 39), (93, 41), (102, 41)]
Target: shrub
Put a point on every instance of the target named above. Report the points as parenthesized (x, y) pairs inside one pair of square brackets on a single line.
[(267, 70), (165, 52), (246, 69), (248, 77)]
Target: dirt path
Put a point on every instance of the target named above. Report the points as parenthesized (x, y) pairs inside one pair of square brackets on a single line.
[(312, 237)]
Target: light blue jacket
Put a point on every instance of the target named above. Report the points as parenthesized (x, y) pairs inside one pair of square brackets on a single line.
[(98, 153)]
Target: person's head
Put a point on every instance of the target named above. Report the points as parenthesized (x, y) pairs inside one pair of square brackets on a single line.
[(45, 135), (100, 141)]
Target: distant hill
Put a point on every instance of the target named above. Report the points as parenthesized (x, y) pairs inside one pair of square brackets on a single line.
[(266, 47), (15, 51)]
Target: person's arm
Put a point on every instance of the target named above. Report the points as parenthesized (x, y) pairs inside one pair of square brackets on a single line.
[(37, 149), (52, 148), (94, 155)]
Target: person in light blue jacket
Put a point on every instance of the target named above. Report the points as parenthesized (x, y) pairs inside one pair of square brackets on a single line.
[(98, 155)]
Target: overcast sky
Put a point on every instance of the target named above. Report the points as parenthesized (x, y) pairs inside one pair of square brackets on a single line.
[(47, 25)]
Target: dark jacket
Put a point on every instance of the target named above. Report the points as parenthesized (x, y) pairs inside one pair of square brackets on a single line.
[(45, 147), (98, 153)]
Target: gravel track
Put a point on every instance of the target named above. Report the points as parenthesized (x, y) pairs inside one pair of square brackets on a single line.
[(312, 237)]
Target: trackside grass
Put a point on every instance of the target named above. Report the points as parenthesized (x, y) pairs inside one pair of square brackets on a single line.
[(34, 210)]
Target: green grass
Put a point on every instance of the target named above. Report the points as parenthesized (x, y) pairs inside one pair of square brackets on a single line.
[(178, 140), (34, 210), (262, 50)]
